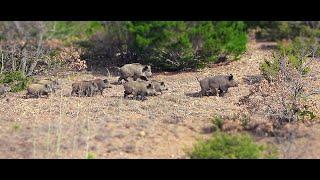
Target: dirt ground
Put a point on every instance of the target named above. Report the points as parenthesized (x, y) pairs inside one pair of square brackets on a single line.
[(109, 126)]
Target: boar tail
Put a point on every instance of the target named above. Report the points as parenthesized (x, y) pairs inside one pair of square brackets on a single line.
[(197, 79)]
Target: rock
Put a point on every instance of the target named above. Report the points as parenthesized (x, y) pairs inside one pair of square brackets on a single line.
[(208, 129), (129, 148), (142, 134)]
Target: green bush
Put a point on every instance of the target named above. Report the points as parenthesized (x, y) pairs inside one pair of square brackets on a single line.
[(270, 69), (231, 37), (73, 30), (180, 45), (217, 122), (226, 146), (16, 80), (277, 30), (296, 52), (90, 155)]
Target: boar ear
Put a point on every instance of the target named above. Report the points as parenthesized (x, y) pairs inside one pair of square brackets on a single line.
[(162, 83), (149, 86), (230, 77)]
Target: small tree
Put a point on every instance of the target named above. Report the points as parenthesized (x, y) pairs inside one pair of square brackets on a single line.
[(284, 99), (22, 45)]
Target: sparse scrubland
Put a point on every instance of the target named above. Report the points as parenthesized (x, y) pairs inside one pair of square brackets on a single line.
[(259, 96)]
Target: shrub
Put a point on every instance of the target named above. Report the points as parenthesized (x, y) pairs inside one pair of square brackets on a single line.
[(16, 80), (297, 53), (217, 122), (285, 99), (73, 30), (270, 69), (231, 37), (108, 48), (90, 155), (179, 45), (167, 45), (226, 146), (277, 30), (163, 44), (16, 126)]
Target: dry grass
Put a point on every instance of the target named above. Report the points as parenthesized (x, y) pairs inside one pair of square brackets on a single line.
[(110, 126)]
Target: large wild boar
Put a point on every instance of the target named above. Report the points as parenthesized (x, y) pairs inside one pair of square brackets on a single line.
[(102, 84), (135, 71), (4, 88), (53, 84), (84, 88), (139, 89), (36, 90), (217, 84)]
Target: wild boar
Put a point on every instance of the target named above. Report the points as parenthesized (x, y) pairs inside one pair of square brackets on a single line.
[(36, 90), (217, 84), (84, 88), (54, 84), (135, 71), (4, 88), (139, 89), (102, 84), (159, 86)]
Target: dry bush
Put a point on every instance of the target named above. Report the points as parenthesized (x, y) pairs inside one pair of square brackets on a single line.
[(261, 127), (72, 57), (22, 47), (285, 99), (282, 101), (231, 126)]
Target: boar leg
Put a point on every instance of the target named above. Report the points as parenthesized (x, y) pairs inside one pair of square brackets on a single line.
[(126, 94), (73, 93), (202, 92), (222, 90), (141, 97), (215, 91), (47, 94)]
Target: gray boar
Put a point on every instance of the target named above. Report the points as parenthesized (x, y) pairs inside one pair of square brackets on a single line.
[(84, 88), (102, 84), (159, 86), (53, 84), (139, 89), (135, 71), (4, 88), (36, 90), (216, 85)]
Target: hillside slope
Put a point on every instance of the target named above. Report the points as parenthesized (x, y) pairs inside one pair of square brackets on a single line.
[(112, 127)]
